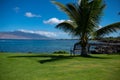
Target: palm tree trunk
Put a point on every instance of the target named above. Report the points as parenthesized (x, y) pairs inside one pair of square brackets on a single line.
[(84, 51), (84, 45)]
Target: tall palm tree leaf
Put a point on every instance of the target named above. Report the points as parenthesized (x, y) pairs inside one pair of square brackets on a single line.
[(66, 26), (74, 11), (97, 8), (65, 9), (86, 14), (108, 29), (94, 14), (83, 3)]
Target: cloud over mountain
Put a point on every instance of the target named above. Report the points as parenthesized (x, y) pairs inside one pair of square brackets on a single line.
[(44, 33), (27, 34)]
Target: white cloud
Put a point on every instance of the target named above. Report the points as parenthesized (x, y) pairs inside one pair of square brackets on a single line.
[(53, 21), (16, 9), (57, 35), (44, 33), (30, 15)]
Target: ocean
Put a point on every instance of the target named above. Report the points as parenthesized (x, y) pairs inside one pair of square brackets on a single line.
[(36, 46)]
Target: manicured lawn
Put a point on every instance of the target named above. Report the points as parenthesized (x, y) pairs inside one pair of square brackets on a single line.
[(18, 66)]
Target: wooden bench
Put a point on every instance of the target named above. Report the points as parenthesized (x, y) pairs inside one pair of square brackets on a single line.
[(75, 49)]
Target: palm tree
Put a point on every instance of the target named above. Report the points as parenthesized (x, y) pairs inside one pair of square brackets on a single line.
[(84, 21)]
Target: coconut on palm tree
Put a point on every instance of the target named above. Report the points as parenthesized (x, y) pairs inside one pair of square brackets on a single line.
[(84, 21)]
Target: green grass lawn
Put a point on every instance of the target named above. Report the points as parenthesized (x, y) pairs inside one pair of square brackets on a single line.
[(18, 66)]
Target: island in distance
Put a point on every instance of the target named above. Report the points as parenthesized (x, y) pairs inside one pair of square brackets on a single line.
[(22, 35)]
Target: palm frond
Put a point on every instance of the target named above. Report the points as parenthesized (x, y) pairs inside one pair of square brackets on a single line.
[(96, 7), (66, 26), (90, 12), (64, 9), (74, 11), (108, 29)]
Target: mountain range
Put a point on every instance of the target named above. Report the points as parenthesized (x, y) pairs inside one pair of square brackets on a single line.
[(22, 35)]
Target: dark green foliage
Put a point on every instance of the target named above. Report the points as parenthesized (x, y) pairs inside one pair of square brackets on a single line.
[(108, 29), (60, 52)]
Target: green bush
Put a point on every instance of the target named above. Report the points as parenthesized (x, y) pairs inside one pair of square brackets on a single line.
[(60, 52)]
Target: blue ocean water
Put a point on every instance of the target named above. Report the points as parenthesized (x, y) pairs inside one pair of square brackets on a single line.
[(36, 46)]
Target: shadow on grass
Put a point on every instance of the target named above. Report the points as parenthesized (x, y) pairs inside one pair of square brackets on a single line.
[(52, 58), (48, 58), (55, 58), (96, 57)]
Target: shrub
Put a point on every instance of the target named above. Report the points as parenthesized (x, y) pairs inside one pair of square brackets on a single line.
[(60, 52)]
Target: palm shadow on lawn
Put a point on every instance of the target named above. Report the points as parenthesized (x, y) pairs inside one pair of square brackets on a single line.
[(48, 58), (52, 58)]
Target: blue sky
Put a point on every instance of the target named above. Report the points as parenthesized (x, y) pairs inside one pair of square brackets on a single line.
[(42, 16)]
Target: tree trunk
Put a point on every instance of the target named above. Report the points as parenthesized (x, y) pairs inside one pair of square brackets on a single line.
[(84, 45), (84, 51)]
